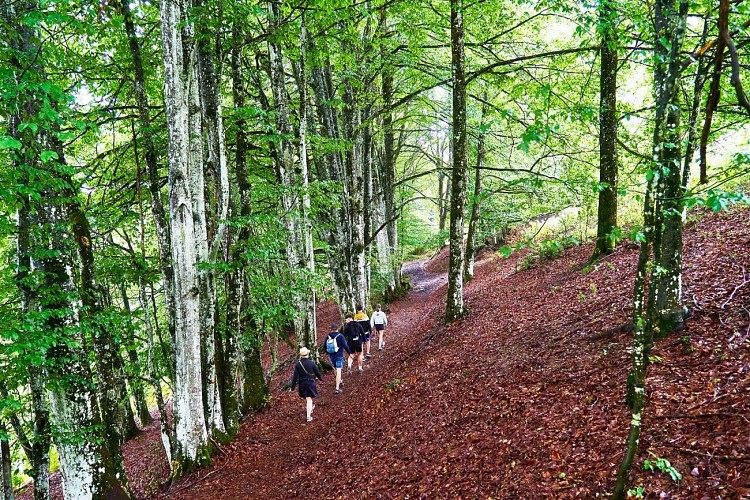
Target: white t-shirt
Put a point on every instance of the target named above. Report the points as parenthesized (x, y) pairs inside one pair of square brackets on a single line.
[(378, 318)]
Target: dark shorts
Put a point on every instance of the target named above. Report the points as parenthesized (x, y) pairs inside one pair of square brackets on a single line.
[(308, 390), (367, 337), (355, 347), (379, 328), (337, 362)]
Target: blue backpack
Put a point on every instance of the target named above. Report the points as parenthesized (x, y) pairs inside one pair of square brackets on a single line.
[(332, 346)]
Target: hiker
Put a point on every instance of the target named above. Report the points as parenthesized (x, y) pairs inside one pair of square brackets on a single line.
[(335, 347), (305, 371), (354, 336), (364, 321), (379, 322)]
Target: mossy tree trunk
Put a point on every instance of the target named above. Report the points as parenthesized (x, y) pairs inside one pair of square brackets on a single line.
[(455, 302)]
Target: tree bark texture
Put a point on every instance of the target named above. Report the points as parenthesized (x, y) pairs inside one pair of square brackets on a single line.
[(185, 156), (608, 168), (158, 212), (670, 186), (251, 388), (292, 189), (6, 469), (476, 204), (455, 299), (670, 21)]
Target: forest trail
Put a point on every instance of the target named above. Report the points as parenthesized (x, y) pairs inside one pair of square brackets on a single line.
[(521, 399), (270, 456)]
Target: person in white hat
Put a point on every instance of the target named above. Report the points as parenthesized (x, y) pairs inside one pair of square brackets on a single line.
[(305, 372)]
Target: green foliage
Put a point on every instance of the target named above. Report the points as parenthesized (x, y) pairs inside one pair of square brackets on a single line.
[(637, 492), (662, 465), (546, 250)]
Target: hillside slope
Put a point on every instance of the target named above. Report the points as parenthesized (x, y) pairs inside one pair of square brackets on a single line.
[(520, 400)]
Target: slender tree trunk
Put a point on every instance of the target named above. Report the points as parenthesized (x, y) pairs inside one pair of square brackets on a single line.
[(670, 22), (38, 453), (136, 385), (608, 169), (455, 299), (388, 173), (294, 212), (154, 182), (212, 231), (338, 231), (6, 469), (476, 204), (250, 387), (39, 448), (670, 204), (185, 158), (310, 328)]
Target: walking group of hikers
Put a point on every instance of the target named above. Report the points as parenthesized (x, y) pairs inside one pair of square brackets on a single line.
[(354, 338)]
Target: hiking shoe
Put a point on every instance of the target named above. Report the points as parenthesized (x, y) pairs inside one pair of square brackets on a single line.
[(360, 369), (380, 348), (309, 419), (338, 391), (368, 356)]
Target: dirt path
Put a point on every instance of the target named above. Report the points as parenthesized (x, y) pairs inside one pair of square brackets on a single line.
[(270, 456), (424, 282)]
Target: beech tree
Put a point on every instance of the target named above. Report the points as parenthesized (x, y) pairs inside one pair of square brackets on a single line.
[(670, 19), (608, 169)]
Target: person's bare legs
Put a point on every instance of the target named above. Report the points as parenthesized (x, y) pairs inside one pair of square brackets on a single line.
[(349, 363), (368, 348), (338, 378), (309, 408), (359, 360), (380, 339)]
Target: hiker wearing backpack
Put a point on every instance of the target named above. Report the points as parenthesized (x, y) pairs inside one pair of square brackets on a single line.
[(364, 321), (335, 347), (379, 322), (305, 372), (354, 336)]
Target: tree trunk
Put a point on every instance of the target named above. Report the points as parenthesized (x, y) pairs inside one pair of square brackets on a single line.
[(670, 20), (476, 204), (6, 469), (671, 187), (608, 169), (297, 231), (154, 183), (87, 463), (38, 448), (337, 231), (388, 167), (185, 156), (135, 382), (310, 328), (455, 299), (112, 392), (212, 207)]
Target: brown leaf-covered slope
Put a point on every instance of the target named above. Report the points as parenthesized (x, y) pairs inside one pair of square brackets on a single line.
[(521, 399)]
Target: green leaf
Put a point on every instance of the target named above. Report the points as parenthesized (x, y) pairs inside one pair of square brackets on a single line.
[(8, 142), (49, 155)]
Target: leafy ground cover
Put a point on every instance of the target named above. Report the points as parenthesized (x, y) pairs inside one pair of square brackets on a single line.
[(523, 399)]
